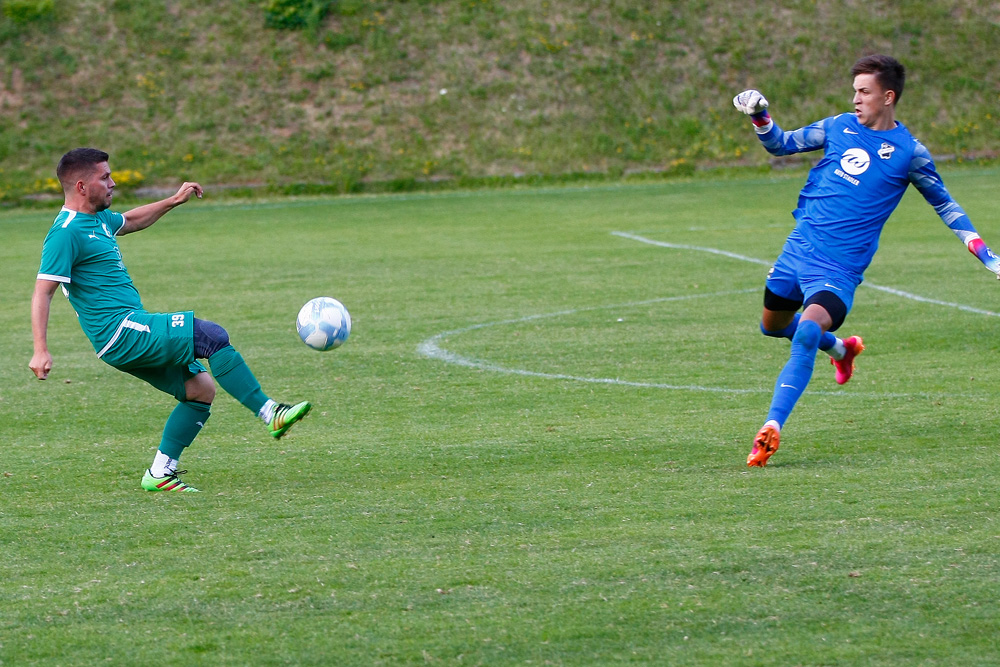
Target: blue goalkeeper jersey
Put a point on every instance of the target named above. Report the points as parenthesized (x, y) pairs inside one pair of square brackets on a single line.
[(857, 185)]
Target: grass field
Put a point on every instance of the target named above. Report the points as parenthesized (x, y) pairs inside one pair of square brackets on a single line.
[(531, 450)]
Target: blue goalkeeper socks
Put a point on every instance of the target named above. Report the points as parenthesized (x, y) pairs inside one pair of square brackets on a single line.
[(795, 376), (787, 332), (826, 341)]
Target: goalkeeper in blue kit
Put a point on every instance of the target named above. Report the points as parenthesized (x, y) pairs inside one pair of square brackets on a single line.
[(869, 160), (81, 254)]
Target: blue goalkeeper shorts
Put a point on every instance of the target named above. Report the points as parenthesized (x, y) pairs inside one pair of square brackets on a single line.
[(801, 272)]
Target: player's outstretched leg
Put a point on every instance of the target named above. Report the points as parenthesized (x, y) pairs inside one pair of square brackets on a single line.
[(233, 374), (765, 444), (845, 367), (284, 416)]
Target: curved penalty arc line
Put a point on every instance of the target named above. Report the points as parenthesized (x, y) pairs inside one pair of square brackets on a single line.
[(432, 349)]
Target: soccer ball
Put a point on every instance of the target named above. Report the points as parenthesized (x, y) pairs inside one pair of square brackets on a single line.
[(323, 323)]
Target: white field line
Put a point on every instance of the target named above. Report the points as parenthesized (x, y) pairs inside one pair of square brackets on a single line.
[(754, 260), (432, 349)]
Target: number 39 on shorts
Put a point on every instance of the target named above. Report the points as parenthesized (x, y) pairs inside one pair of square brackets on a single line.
[(177, 320)]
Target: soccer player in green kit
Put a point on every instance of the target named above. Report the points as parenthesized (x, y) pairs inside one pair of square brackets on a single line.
[(80, 253)]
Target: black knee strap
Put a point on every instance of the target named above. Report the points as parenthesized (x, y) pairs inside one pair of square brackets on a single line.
[(773, 301), (209, 338)]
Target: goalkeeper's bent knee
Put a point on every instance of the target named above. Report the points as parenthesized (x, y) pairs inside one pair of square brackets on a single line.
[(787, 332)]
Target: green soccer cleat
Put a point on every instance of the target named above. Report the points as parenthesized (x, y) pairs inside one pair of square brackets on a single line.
[(169, 482), (286, 415)]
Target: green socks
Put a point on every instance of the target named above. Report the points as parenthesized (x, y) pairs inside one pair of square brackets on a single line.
[(233, 375), (183, 424), (188, 418)]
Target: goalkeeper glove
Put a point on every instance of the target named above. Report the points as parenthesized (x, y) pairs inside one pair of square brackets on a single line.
[(978, 248), (753, 104)]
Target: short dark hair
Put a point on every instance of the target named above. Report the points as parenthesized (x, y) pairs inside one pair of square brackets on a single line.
[(76, 161), (888, 71)]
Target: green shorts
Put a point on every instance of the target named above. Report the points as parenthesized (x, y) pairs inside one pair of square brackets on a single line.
[(157, 348)]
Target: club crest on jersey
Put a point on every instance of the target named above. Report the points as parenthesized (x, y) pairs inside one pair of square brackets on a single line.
[(886, 151)]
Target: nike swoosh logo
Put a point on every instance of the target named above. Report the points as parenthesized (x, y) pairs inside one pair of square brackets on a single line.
[(783, 386), (846, 131), (832, 287)]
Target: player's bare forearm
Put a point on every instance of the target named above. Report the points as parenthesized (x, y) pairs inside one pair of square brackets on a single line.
[(41, 300), (141, 217)]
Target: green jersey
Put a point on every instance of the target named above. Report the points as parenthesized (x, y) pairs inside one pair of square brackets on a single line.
[(80, 251)]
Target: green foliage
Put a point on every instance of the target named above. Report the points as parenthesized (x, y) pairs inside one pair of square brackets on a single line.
[(434, 513), (27, 11), (295, 14)]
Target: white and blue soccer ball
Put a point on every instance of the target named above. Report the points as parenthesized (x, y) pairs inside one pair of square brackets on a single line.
[(323, 323)]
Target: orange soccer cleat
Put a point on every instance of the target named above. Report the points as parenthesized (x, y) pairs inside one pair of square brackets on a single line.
[(765, 444)]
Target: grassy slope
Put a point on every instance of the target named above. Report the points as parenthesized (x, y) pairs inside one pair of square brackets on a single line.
[(203, 90)]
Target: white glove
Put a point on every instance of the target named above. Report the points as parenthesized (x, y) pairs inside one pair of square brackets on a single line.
[(979, 248), (750, 102)]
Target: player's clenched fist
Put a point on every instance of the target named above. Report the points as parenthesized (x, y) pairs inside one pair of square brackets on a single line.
[(750, 102)]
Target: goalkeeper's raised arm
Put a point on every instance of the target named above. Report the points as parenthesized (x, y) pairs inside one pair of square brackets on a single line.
[(775, 140)]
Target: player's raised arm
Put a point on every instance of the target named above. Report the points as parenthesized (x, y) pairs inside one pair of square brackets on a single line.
[(41, 360), (775, 140), (143, 216)]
